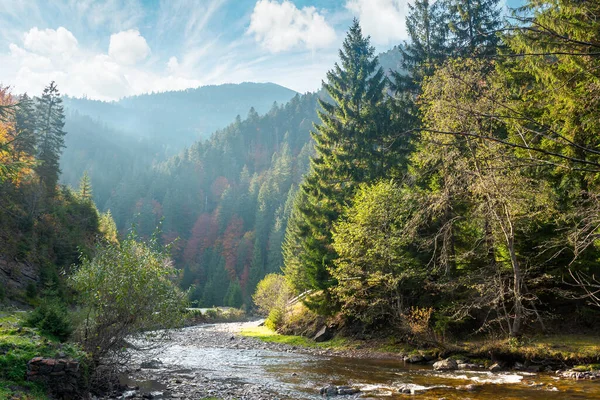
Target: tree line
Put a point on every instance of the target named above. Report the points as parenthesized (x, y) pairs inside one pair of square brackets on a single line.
[(463, 188)]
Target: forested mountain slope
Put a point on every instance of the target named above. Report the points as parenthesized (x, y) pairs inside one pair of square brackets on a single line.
[(226, 199), (177, 119)]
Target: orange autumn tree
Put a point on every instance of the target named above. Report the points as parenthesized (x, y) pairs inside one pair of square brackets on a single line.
[(15, 164)]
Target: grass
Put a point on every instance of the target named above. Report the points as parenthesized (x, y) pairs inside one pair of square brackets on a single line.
[(18, 345), (571, 349), (268, 335)]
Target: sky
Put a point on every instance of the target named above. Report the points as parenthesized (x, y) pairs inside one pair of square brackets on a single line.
[(110, 49)]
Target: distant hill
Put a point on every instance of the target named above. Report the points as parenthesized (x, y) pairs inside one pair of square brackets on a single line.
[(173, 120)]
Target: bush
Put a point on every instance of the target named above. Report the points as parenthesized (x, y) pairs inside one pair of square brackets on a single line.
[(127, 290), (51, 318), (271, 298)]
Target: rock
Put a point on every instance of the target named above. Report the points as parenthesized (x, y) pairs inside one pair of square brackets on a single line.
[(333, 390), (534, 368), (495, 368), (404, 390), (446, 365), (346, 390), (151, 364), (519, 366), (469, 388), (323, 335), (153, 395), (330, 390), (415, 359), (129, 394)]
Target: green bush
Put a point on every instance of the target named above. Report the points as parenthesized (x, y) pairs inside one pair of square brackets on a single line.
[(127, 289), (52, 319)]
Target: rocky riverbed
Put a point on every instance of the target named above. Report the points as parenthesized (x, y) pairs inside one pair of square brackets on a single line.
[(215, 361)]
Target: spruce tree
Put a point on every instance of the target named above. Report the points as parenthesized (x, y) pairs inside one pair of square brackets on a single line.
[(427, 26), (25, 125), (85, 187), (51, 121), (474, 25), (348, 152)]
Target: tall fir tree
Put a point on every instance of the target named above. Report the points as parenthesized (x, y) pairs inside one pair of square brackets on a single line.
[(427, 26), (25, 125), (50, 122), (474, 26), (85, 187), (349, 150)]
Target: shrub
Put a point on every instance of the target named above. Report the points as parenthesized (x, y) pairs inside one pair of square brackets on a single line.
[(127, 290), (51, 318), (271, 298)]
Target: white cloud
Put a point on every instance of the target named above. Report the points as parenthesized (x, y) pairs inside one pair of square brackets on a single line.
[(50, 41), (384, 20), (173, 64), (128, 47), (282, 26), (42, 57)]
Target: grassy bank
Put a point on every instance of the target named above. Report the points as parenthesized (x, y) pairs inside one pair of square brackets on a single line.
[(571, 350), (18, 345)]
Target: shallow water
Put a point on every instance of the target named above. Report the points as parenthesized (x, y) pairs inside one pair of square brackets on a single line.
[(300, 376)]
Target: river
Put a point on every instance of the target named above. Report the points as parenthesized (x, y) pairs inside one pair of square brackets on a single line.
[(212, 360)]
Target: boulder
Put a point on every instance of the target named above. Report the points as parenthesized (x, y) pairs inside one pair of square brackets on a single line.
[(415, 359), (446, 365), (324, 334), (346, 390), (495, 368)]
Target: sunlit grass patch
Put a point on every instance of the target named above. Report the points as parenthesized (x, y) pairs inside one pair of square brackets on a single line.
[(568, 348), (268, 335)]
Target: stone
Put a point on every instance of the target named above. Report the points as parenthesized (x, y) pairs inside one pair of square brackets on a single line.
[(534, 368), (151, 364), (495, 368), (346, 390), (519, 366), (446, 365), (415, 359), (323, 335), (330, 390), (129, 394)]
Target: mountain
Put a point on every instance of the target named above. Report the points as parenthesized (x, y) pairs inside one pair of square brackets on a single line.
[(227, 199), (176, 119)]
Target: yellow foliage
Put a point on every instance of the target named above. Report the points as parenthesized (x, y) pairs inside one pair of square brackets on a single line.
[(15, 166)]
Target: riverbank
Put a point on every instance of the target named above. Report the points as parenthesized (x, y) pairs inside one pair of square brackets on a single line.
[(244, 361), (537, 353)]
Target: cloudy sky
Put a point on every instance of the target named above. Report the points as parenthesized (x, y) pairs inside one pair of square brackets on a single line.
[(113, 48)]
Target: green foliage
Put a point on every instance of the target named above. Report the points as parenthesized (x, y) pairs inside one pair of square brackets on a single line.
[(271, 298), (354, 143), (20, 344), (377, 272), (51, 318), (126, 289)]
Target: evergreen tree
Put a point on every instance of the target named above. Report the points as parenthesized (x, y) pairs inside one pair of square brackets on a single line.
[(85, 187), (427, 27), (474, 26), (50, 120), (25, 125), (347, 153)]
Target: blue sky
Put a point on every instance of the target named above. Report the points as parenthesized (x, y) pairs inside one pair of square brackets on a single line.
[(114, 48)]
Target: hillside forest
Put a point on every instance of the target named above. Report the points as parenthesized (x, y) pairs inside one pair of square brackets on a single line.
[(447, 186)]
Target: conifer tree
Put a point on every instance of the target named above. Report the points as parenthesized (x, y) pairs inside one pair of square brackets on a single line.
[(474, 25), (348, 152), (51, 121), (85, 187), (25, 125), (427, 26)]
